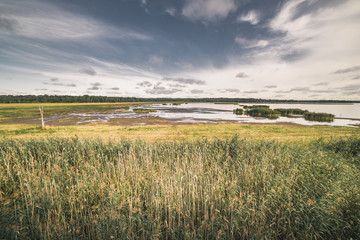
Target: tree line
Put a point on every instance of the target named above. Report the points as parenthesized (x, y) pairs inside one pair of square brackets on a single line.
[(100, 99)]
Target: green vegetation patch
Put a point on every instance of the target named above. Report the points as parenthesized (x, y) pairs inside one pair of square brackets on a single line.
[(263, 112), (68, 188), (291, 111), (238, 111), (143, 110), (255, 106), (319, 117), (32, 110)]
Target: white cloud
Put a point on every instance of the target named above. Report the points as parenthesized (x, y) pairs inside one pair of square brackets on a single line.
[(246, 43), (171, 11), (281, 21), (208, 10), (252, 17), (155, 60), (320, 42), (47, 22)]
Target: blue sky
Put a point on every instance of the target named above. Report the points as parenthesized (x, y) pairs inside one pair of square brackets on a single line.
[(280, 49)]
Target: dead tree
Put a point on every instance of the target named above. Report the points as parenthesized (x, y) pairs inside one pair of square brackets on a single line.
[(42, 117)]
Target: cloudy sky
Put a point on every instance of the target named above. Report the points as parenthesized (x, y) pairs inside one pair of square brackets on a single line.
[(280, 49)]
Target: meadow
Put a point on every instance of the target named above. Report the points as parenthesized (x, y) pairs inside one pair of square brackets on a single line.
[(31, 110), (196, 181)]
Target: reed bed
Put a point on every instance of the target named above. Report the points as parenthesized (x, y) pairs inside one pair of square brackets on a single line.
[(263, 112), (70, 188), (143, 110), (255, 106), (238, 111), (319, 117), (291, 111)]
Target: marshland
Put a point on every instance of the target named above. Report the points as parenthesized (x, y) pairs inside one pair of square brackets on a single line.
[(179, 119), (102, 180)]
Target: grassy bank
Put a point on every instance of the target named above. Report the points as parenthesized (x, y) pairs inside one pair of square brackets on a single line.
[(31, 110), (158, 131), (226, 189)]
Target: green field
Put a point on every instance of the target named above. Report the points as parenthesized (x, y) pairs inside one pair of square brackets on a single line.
[(31, 110), (197, 181)]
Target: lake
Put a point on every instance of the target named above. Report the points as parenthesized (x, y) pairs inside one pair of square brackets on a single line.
[(346, 114)]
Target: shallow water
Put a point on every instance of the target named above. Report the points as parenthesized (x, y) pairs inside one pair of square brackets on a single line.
[(207, 113), (210, 112)]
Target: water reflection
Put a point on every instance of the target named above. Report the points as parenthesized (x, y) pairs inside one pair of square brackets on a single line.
[(265, 112), (209, 112)]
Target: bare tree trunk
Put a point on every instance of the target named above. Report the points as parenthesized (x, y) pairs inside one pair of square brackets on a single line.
[(42, 117)]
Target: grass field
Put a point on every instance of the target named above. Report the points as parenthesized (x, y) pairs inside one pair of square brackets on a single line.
[(31, 110), (161, 181), (180, 132)]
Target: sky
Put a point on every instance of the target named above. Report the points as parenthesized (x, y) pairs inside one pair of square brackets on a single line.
[(273, 49)]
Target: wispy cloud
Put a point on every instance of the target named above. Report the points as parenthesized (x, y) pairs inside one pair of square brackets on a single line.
[(8, 25), (283, 20), (161, 90), (251, 91), (95, 86), (300, 89), (252, 17), (185, 80), (171, 11), (88, 70), (114, 88), (177, 85), (47, 22), (155, 60), (242, 75), (271, 86), (282, 91), (355, 77), (208, 10), (347, 70), (246, 43), (55, 82), (350, 87), (197, 91), (321, 84), (11, 92), (232, 90), (144, 84)]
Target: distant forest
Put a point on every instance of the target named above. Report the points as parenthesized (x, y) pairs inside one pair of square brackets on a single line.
[(104, 99)]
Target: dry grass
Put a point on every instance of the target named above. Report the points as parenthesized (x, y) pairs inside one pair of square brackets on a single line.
[(70, 188), (181, 132)]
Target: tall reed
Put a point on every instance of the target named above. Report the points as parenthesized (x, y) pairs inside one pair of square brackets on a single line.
[(74, 188)]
